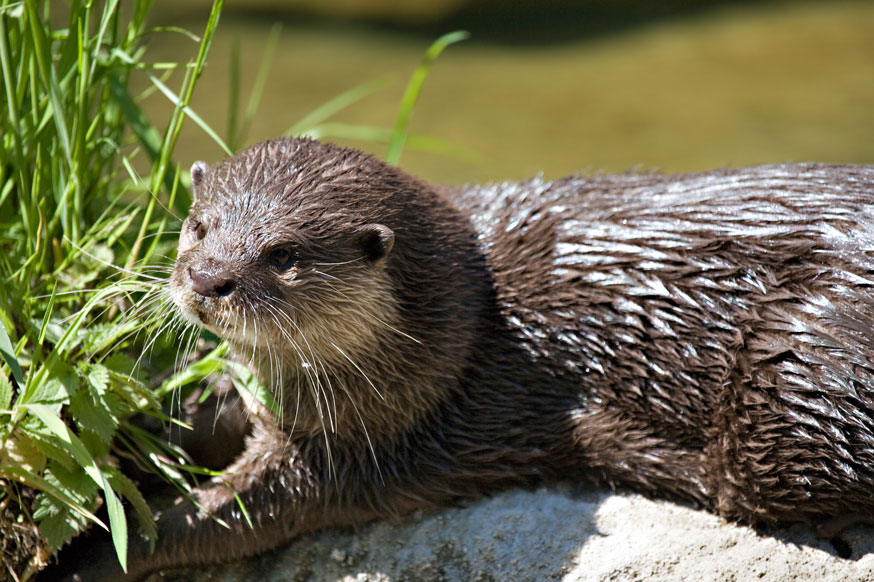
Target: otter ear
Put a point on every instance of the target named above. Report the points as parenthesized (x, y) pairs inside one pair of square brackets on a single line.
[(376, 240), (198, 171)]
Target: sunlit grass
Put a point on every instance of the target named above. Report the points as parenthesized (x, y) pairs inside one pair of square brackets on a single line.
[(80, 234), (85, 246)]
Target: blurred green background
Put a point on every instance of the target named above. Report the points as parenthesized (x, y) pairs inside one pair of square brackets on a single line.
[(556, 87)]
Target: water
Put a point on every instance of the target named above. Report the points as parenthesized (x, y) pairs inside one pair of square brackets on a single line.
[(726, 86)]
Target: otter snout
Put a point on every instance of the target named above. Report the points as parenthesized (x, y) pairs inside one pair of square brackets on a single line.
[(211, 278)]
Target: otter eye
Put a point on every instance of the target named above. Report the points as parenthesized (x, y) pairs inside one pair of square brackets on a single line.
[(198, 228), (282, 258)]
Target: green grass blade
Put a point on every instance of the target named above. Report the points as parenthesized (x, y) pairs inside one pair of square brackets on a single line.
[(234, 97), (260, 82), (172, 134), (209, 364), (414, 87), (109, 9), (129, 491), (65, 165), (243, 510), (245, 381), (335, 105), (69, 440), (190, 113), (8, 354), (377, 134), (48, 315), (139, 123), (117, 523), (177, 29), (146, 133), (349, 131), (6, 393), (47, 73), (8, 73)]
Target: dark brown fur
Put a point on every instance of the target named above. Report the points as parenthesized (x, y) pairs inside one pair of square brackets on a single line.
[(704, 337)]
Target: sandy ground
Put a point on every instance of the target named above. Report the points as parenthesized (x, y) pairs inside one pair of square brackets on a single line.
[(558, 534)]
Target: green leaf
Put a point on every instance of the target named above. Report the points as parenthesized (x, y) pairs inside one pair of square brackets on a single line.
[(93, 414), (19, 450), (37, 482), (120, 365), (126, 384), (68, 440), (117, 520), (58, 527), (97, 445), (58, 521), (48, 443), (98, 378), (117, 524), (8, 354), (102, 337), (56, 389)]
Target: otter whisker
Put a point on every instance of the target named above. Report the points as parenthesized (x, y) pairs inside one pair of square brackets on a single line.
[(285, 316), (164, 325), (300, 358), (315, 374), (338, 263), (278, 388), (99, 260), (361, 421), (374, 316), (357, 367)]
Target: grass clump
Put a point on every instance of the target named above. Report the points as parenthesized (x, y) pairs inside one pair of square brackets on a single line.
[(85, 244), (71, 207)]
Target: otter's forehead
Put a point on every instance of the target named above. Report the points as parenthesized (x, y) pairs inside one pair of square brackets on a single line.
[(255, 221), (292, 180)]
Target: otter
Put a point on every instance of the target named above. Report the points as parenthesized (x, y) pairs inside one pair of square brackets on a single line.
[(702, 337)]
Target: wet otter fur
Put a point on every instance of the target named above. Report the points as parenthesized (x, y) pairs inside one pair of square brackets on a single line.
[(704, 337)]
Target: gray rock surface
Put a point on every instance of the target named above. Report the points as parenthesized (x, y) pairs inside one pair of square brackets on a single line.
[(557, 534)]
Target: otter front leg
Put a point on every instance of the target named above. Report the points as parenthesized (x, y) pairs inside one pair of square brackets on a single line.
[(218, 531), (285, 492)]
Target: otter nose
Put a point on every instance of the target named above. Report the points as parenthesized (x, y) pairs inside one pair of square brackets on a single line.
[(211, 278)]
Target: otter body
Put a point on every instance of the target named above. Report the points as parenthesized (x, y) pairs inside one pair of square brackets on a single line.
[(705, 337)]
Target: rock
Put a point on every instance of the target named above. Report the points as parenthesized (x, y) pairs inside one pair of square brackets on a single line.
[(557, 534)]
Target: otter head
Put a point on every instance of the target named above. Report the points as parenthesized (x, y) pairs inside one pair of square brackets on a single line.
[(283, 252), (324, 266)]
